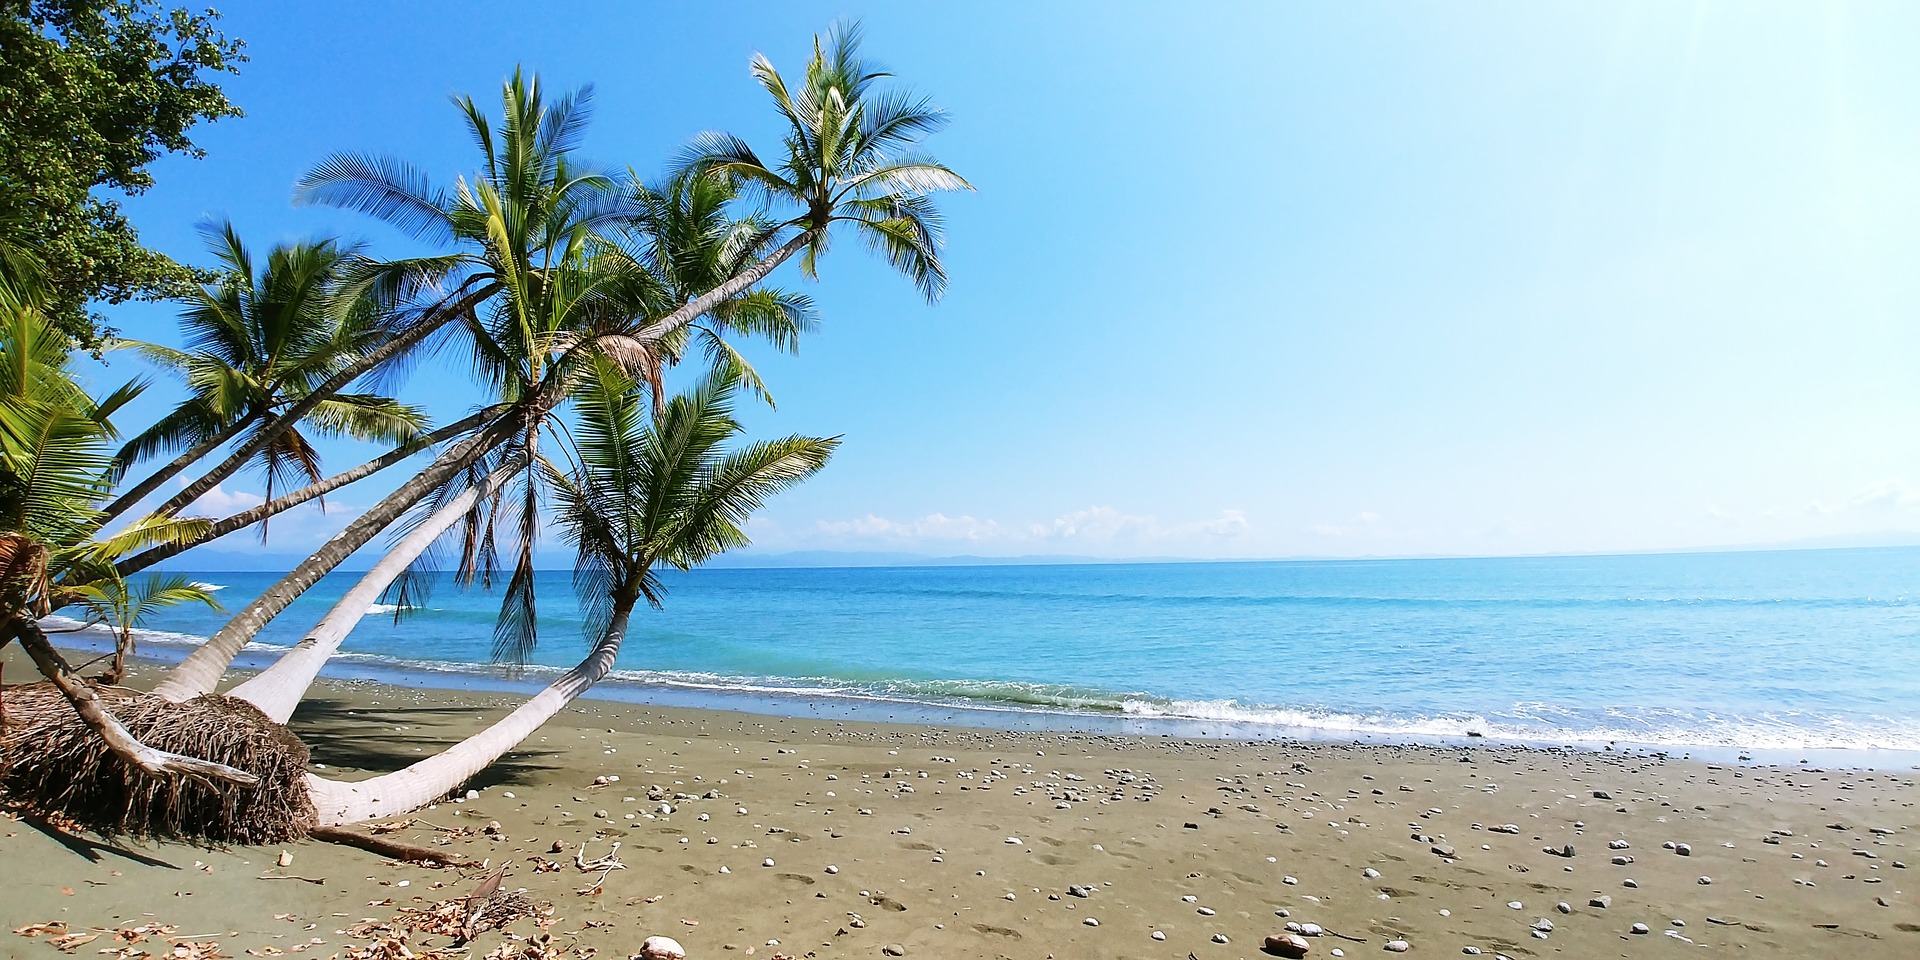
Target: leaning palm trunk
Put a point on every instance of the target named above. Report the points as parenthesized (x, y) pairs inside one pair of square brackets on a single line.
[(693, 309), (278, 689), (180, 463), (201, 671), (281, 504), (337, 802)]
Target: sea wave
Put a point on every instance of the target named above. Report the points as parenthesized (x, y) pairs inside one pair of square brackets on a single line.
[(1532, 723)]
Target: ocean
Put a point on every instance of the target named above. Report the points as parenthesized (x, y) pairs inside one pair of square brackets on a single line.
[(1792, 654)]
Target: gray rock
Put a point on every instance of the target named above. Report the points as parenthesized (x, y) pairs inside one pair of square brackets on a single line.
[(1396, 946), (1080, 890), (1603, 902), (894, 950), (1638, 928), (1444, 850)]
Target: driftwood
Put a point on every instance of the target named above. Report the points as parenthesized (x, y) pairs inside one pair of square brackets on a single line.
[(410, 852)]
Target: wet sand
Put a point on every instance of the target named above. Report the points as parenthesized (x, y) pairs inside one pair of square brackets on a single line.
[(897, 840)]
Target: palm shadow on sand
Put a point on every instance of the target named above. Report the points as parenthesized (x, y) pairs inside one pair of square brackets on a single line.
[(356, 736)]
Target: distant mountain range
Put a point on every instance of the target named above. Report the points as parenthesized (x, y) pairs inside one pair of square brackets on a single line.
[(224, 560)]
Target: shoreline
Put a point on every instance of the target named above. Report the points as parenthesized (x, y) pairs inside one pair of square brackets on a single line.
[(829, 705), (908, 829)]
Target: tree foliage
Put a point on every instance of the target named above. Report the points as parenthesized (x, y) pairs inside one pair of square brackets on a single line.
[(91, 93)]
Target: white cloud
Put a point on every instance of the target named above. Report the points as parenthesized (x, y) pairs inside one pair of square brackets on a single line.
[(1092, 528)]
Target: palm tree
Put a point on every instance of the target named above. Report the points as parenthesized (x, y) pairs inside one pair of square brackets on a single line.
[(848, 158), (642, 492), (125, 604), (536, 272), (54, 468), (693, 244), (259, 342)]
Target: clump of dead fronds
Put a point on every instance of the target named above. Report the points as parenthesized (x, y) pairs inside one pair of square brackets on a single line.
[(52, 763)]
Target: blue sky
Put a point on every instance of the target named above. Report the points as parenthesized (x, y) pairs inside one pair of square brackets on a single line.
[(1247, 280)]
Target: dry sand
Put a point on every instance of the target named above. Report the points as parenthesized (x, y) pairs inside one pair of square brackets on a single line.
[(894, 840)]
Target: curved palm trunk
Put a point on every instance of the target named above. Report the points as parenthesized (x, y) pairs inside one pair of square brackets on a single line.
[(86, 703), (278, 689), (146, 487), (201, 671), (334, 384), (413, 787), (278, 505), (692, 310)]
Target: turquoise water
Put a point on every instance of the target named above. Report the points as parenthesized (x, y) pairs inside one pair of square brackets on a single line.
[(1777, 651)]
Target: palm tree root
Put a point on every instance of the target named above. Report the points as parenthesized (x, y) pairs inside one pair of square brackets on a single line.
[(53, 763)]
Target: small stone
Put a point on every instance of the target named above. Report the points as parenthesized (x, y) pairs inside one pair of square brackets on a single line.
[(1443, 850), (1683, 849), (1603, 902), (1543, 925), (492, 829), (662, 948), (1563, 907), (1219, 938), (1515, 905), (894, 950), (1602, 795), (768, 862), (1630, 883), (1617, 845), (559, 846), (1079, 890), (1396, 946), (1622, 860), (1284, 945), (1091, 922), (831, 869), (1470, 950), (1205, 911), (286, 859), (1638, 928), (1370, 873), (1157, 935)]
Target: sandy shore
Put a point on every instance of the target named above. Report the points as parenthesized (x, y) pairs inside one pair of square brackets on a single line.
[(768, 837)]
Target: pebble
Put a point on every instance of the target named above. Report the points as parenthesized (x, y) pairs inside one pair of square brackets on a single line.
[(832, 869), (1157, 935), (1370, 873), (1638, 928), (1091, 922), (1206, 911), (1683, 849), (662, 948), (1543, 925), (1563, 907), (1286, 945), (1219, 938), (768, 862), (1603, 902), (1703, 881), (1396, 946), (894, 950), (1515, 904)]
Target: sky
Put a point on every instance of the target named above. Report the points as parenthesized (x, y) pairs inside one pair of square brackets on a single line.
[(1239, 281)]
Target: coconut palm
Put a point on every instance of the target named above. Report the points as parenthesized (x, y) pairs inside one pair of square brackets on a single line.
[(258, 342), (694, 244), (55, 460), (848, 161), (125, 604), (641, 493), (527, 232)]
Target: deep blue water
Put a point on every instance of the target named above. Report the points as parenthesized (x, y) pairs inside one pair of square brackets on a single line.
[(1781, 651)]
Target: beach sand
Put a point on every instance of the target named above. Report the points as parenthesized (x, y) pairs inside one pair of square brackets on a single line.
[(895, 840)]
